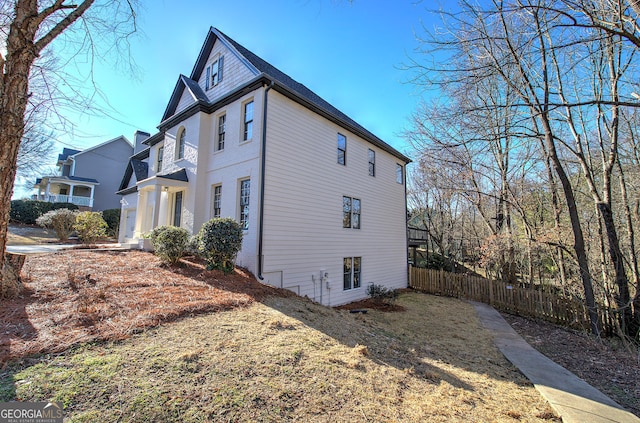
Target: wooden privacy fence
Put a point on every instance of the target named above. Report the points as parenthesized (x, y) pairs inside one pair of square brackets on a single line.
[(509, 298)]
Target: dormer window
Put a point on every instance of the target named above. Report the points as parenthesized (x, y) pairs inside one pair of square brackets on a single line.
[(214, 73)]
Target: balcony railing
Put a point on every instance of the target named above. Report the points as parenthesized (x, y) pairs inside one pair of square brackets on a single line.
[(417, 236), (61, 198)]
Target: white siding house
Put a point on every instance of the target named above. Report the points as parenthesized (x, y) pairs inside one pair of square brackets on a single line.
[(322, 199)]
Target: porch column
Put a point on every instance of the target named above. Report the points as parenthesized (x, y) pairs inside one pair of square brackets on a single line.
[(47, 191), (157, 193), (91, 195), (141, 207), (70, 199)]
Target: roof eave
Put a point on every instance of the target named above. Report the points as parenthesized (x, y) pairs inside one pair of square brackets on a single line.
[(293, 95)]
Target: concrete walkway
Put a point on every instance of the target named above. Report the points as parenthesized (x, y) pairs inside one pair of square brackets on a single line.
[(37, 248), (571, 397), (52, 248)]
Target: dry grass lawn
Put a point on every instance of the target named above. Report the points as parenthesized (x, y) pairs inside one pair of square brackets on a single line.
[(273, 358), (29, 234)]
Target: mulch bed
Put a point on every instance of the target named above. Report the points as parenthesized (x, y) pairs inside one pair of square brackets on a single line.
[(369, 304), (86, 295)]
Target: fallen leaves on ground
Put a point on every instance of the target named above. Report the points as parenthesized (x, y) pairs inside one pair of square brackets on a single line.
[(79, 296)]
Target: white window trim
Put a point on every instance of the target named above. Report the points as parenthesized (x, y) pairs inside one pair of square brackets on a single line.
[(217, 128), (176, 153), (242, 120)]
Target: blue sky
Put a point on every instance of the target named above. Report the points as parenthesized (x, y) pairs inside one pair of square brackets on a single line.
[(351, 53)]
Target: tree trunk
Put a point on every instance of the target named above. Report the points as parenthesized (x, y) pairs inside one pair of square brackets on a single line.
[(22, 49), (21, 54), (622, 296), (578, 236), (632, 252)]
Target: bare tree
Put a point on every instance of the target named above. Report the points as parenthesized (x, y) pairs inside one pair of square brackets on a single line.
[(28, 29)]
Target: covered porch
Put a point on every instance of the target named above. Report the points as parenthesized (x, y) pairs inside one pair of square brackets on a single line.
[(160, 202), (66, 189)]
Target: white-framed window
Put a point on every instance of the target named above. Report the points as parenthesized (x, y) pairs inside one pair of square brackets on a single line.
[(372, 163), (216, 201), (214, 73), (247, 118), (245, 191), (177, 208), (222, 130), (352, 271), (399, 174), (351, 209), (342, 149), (180, 142), (160, 158)]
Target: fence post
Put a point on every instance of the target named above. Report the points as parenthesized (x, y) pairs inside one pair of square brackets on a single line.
[(490, 292)]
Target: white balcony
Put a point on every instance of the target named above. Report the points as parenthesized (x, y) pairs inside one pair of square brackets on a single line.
[(78, 200)]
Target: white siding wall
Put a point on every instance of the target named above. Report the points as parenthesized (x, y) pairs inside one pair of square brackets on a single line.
[(234, 72), (303, 231), (171, 163), (128, 205), (186, 100), (239, 160)]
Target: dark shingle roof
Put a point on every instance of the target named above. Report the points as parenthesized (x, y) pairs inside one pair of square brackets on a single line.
[(301, 90), (137, 166), (140, 168), (266, 72), (80, 179), (179, 175), (194, 88), (66, 152)]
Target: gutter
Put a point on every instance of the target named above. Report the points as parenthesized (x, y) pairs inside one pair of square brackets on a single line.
[(263, 161)]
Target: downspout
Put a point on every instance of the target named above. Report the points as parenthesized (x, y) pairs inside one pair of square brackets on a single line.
[(406, 226), (263, 160)]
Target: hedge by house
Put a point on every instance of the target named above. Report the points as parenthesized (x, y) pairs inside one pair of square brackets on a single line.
[(27, 211), (112, 217)]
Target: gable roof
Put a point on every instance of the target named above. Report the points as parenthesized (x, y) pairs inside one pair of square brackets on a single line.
[(135, 166), (95, 147), (281, 82)]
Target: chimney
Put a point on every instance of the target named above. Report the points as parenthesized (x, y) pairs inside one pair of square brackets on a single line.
[(139, 137)]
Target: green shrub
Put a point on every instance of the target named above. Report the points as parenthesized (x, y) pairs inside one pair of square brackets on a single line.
[(381, 293), (112, 217), (219, 243), (61, 221), (169, 243), (435, 261), (56, 206), (193, 245), (27, 211), (90, 227)]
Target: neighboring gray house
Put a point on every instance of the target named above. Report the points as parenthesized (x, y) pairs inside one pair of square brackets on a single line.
[(88, 178)]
